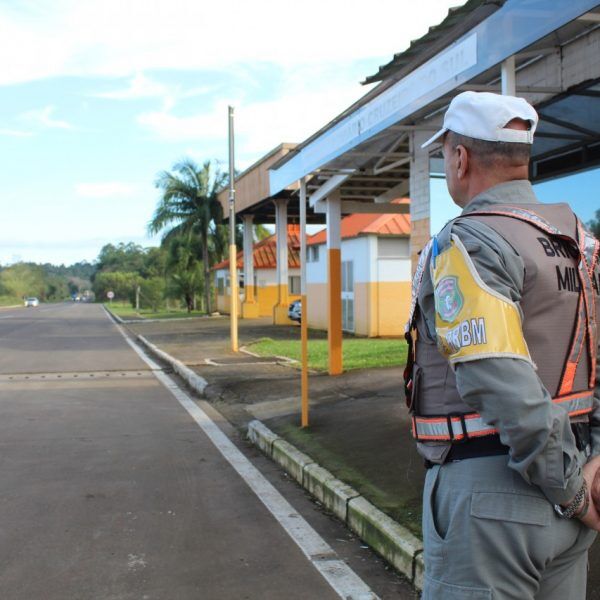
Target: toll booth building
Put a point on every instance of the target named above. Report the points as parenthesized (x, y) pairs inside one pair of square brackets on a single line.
[(376, 274), (265, 283)]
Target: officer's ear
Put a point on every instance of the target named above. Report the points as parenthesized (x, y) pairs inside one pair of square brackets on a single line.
[(462, 162)]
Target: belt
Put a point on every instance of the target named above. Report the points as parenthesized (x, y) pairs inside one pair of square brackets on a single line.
[(492, 446)]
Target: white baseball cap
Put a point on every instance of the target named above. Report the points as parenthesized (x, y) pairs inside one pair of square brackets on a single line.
[(483, 116)]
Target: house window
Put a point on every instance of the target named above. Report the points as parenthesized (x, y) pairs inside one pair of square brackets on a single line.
[(313, 254), (294, 285), (388, 247), (221, 286)]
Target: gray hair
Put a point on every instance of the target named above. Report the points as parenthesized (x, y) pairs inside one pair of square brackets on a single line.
[(511, 154)]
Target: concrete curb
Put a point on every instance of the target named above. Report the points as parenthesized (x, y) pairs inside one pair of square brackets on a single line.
[(195, 381), (389, 539), (122, 321), (114, 317)]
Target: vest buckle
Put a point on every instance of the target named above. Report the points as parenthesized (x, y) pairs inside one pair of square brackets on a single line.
[(465, 435)]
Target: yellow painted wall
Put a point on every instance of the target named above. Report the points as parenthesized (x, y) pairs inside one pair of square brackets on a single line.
[(362, 321), (317, 305), (380, 308), (266, 296), (224, 304), (391, 307)]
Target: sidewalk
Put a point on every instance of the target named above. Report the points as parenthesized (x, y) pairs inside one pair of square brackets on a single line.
[(359, 426)]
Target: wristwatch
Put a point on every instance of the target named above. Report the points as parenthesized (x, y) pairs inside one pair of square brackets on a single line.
[(571, 510)]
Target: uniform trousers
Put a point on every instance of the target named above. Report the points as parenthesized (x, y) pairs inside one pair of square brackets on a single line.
[(489, 535)]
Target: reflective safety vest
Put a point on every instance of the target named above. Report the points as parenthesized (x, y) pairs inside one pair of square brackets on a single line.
[(557, 333)]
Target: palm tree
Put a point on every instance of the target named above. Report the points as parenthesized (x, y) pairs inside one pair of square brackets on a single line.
[(184, 267), (189, 204)]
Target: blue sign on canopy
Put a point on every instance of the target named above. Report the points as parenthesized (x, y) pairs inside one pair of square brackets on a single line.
[(518, 24)]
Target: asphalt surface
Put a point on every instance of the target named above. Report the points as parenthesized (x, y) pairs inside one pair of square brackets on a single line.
[(109, 489)]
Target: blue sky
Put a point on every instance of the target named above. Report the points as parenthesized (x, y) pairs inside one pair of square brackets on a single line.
[(579, 191), (97, 97)]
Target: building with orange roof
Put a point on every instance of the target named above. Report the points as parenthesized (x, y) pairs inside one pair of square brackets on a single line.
[(265, 293), (376, 274)]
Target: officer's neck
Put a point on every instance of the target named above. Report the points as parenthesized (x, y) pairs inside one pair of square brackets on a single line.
[(480, 181)]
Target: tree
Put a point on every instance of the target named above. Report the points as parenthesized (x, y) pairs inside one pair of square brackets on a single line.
[(184, 268), (152, 293), (594, 225), (123, 284), (190, 206)]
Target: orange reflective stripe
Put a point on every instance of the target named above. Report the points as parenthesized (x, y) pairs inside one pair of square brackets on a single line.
[(586, 307), (568, 378), (436, 428)]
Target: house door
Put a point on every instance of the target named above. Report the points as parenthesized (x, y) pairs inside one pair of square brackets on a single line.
[(348, 295)]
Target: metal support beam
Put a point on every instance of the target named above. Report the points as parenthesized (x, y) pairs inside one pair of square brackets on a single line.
[(394, 165), (509, 79), (398, 191), (521, 89), (590, 17), (371, 208), (333, 183)]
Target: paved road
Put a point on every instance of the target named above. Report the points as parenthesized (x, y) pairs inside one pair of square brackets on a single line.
[(110, 490)]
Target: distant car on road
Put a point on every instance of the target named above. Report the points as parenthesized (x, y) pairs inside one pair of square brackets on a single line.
[(295, 311), (31, 302)]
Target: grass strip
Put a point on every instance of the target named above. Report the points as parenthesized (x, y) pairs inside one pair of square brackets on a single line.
[(126, 311), (358, 353)]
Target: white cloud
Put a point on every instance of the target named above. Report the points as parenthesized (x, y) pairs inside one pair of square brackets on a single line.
[(123, 37), (291, 114), (107, 190), (139, 86), (15, 133), (43, 116)]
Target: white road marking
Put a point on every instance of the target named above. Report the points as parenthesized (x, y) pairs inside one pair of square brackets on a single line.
[(344, 581)]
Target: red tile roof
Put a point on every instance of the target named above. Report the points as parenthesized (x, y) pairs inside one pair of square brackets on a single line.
[(360, 223), (265, 252)]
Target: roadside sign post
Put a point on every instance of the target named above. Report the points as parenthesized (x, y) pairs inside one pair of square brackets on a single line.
[(110, 295), (232, 246)]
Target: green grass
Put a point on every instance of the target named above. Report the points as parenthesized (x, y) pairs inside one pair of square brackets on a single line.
[(359, 353), (126, 311), (10, 301), (401, 503)]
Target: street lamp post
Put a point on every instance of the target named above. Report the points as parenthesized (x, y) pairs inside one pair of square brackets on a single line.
[(232, 246)]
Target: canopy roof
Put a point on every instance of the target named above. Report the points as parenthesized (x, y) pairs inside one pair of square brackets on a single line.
[(555, 46)]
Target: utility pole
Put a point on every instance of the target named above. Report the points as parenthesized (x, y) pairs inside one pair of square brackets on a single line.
[(232, 247), (137, 298)]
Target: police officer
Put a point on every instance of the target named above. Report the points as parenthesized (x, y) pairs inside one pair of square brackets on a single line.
[(501, 381)]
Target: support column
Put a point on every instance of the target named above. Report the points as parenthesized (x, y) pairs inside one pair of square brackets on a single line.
[(509, 78), (280, 312), (304, 304), (250, 307), (420, 222), (334, 282)]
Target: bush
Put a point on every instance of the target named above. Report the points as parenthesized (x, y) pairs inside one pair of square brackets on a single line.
[(152, 293)]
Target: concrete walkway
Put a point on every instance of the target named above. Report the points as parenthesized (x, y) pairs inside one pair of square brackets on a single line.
[(359, 429)]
